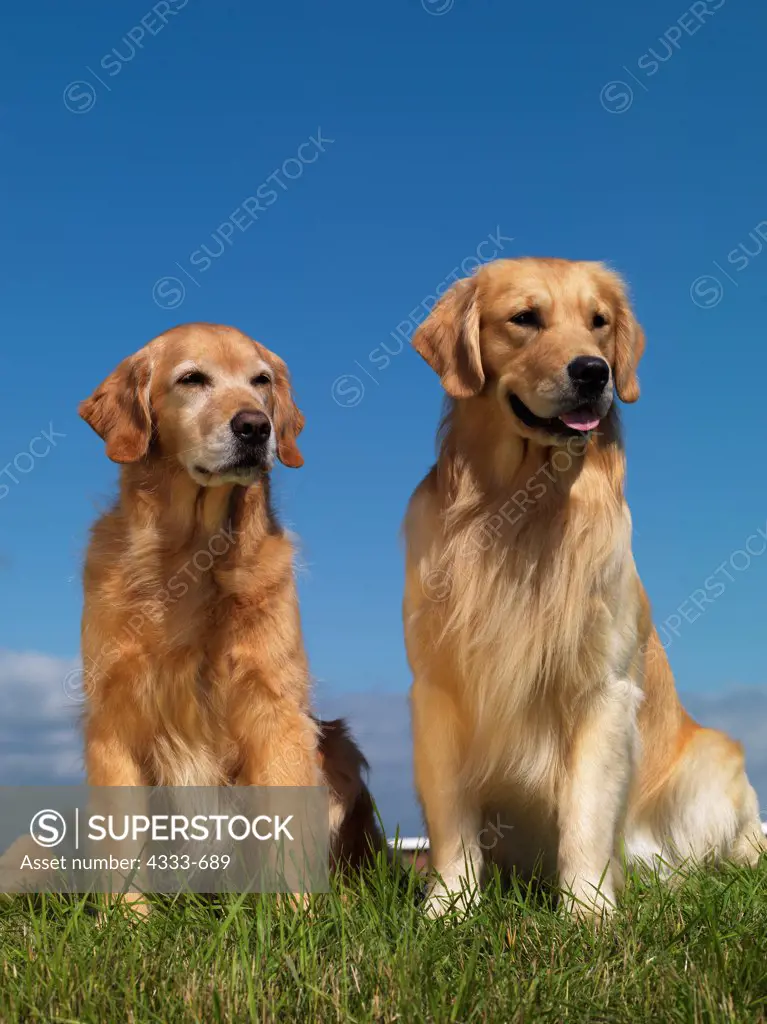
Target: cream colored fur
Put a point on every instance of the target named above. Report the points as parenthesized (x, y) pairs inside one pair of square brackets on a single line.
[(538, 680)]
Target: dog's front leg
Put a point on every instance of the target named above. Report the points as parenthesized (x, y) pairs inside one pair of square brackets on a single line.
[(592, 802), (279, 747), (110, 762), (109, 759), (452, 816)]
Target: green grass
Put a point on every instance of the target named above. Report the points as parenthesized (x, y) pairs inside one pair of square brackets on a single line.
[(694, 951)]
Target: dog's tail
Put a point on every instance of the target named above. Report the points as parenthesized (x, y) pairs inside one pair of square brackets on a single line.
[(355, 835)]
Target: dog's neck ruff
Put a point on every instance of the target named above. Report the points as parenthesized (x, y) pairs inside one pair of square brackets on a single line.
[(484, 468), (164, 497), (532, 541)]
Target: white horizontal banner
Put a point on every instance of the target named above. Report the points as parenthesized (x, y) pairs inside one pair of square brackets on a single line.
[(163, 839)]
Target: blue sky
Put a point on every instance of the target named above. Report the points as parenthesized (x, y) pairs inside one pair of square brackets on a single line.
[(572, 130)]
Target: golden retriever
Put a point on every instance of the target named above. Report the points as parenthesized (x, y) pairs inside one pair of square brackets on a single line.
[(194, 664), (546, 723)]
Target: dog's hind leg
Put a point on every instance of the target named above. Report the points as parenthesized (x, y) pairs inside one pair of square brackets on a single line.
[(706, 810)]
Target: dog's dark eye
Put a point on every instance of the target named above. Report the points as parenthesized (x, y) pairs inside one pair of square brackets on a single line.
[(599, 321), (262, 378), (527, 318), (194, 378)]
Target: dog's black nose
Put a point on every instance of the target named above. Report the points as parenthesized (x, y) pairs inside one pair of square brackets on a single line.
[(589, 374), (251, 426)]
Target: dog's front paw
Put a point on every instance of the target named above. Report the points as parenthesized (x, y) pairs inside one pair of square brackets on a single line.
[(457, 900), (133, 906), (589, 901)]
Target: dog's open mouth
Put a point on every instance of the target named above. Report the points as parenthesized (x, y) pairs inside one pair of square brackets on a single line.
[(574, 423)]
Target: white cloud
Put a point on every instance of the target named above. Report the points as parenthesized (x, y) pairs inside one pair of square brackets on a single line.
[(39, 723), (40, 732)]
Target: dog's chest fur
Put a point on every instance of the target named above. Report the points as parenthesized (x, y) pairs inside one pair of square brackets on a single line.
[(526, 621), (187, 694), (172, 633)]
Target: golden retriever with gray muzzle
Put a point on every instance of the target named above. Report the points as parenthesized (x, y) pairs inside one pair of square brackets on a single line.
[(545, 716), (194, 664)]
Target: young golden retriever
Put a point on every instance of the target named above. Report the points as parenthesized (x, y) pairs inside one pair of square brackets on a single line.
[(193, 658), (546, 723)]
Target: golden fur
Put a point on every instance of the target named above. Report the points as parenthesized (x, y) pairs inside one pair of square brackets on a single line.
[(546, 722), (192, 650)]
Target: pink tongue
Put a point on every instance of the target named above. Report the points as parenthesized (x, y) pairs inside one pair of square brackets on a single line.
[(580, 420)]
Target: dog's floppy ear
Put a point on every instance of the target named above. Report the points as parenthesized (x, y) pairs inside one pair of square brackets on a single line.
[(119, 410), (449, 340), (629, 346), (288, 418)]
